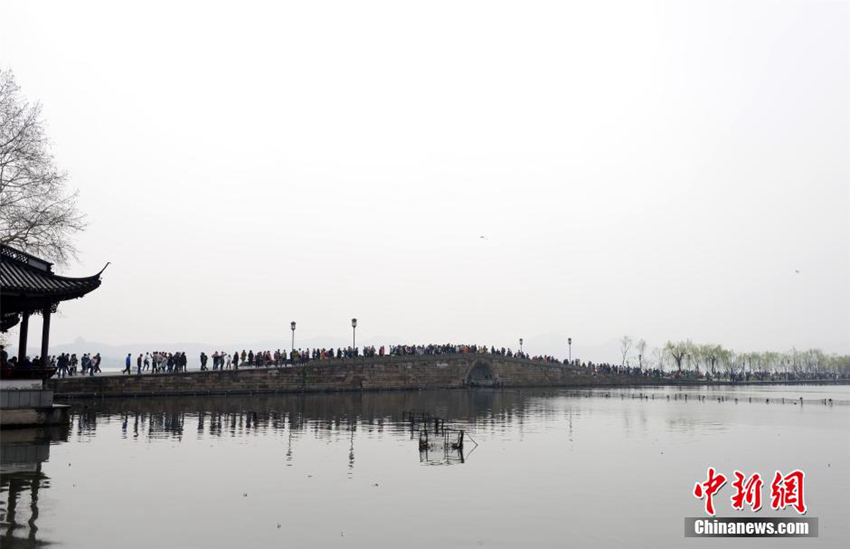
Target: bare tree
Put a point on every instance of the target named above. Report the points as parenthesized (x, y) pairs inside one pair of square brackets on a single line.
[(625, 347), (37, 212), (658, 358), (641, 349)]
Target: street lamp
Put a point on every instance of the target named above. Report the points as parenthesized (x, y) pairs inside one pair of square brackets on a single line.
[(570, 344), (354, 333), (520, 345), (292, 325)]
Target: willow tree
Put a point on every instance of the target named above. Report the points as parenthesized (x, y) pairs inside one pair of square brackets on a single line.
[(711, 355), (730, 361), (678, 351), (38, 213)]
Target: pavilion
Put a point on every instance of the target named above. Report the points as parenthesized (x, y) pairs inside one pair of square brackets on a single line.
[(28, 285)]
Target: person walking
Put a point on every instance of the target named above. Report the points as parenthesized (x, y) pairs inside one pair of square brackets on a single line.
[(126, 365), (63, 365)]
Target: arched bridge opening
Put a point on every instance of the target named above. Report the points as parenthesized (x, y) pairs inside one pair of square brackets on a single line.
[(481, 375)]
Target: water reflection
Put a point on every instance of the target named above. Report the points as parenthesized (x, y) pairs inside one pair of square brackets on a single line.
[(333, 416), (329, 417), (22, 453), (321, 415), (353, 461)]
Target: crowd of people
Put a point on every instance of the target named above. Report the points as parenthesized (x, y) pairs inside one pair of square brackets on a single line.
[(161, 362), (176, 362), (222, 360), (605, 368), (154, 362), (157, 362), (66, 364), (448, 349)]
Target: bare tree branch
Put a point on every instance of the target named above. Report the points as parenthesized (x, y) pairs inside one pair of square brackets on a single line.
[(38, 214)]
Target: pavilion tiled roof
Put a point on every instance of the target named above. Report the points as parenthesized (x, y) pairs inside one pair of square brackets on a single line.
[(24, 275), (28, 285)]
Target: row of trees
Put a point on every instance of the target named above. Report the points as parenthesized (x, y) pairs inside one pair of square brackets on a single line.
[(718, 360)]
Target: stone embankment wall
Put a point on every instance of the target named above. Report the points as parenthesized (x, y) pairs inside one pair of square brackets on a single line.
[(361, 374)]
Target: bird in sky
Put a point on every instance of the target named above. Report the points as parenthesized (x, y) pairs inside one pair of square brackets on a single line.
[(797, 271), (484, 237)]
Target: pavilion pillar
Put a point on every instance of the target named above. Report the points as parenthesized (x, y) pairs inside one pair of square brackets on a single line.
[(45, 335), (22, 342)]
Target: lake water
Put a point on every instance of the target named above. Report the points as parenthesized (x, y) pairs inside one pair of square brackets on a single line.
[(602, 468)]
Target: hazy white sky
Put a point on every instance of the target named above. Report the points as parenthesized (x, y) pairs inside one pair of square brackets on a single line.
[(659, 169)]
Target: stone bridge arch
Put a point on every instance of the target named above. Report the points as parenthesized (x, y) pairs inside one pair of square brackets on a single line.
[(481, 374)]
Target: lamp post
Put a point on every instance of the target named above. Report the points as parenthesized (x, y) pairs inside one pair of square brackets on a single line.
[(292, 325), (520, 345), (353, 333), (570, 345)]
